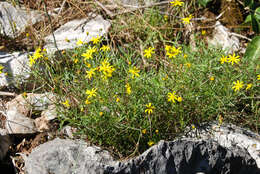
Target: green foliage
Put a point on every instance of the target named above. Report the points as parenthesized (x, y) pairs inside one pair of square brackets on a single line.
[(254, 17), (253, 52), (203, 2)]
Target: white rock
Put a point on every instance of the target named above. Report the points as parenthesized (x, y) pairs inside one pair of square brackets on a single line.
[(222, 38), (13, 20), (228, 135), (17, 67), (75, 30), (17, 123)]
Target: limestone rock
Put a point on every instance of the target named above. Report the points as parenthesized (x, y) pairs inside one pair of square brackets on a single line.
[(16, 65), (222, 38), (228, 135), (13, 20), (74, 30), (180, 156)]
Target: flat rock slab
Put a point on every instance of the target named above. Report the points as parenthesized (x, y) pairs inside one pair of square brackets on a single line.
[(16, 65), (13, 20), (176, 157), (68, 34)]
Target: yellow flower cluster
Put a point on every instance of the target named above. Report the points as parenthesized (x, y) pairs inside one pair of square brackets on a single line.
[(171, 51), (230, 59), (134, 72), (172, 97), (88, 54), (176, 3), (39, 53), (66, 103), (106, 69), (148, 52), (128, 89), (187, 19)]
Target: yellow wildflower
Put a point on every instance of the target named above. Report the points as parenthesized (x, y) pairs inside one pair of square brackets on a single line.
[(76, 60), (211, 78), (223, 59), (67, 40), (185, 56), (233, 59), (144, 131), (156, 131), (149, 108), (117, 99), (91, 93), (90, 73), (100, 113), (96, 40), (106, 69), (87, 55), (203, 32), (176, 3), (188, 65), (171, 51), (193, 126), (220, 120), (79, 42), (134, 71), (258, 77), (172, 97), (179, 99), (237, 85), (66, 103), (165, 17), (248, 86), (148, 52), (187, 19), (27, 34), (105, 48), (87, 102), (150, 143), (1, 68), (128, 89)]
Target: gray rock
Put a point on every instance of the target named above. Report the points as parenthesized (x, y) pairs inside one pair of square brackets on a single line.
[(67, 157), (17, 67), (228, 136), (74, 30), (13, 20), (17, 123), (222, 38), (180, 156)]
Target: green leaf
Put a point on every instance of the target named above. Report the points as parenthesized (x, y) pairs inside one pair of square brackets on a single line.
[(248, 2), (204, 2), (255, 24), (253, 52), (257, 13), (248, 19)]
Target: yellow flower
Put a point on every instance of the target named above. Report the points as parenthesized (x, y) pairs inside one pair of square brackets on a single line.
[(233, 59), (87, 102), (248, 86), (128, 89), (148, 52), (258, 77), (165, 78), (156, 131), (172, 97), (185, 56), (149, 108), (91, 93), (188, 65), (150, 143), (105, 48), (106, 69), (144, 131), (223, 59), (203, 32), (66, 103), (193, 126), (179, 99), (1, 68), (76, 60), (165, 17), (79, 42), (27, 34), (220, 120), (187, 19), (134, 71), (211, 78), (96, 40), (100, 113), (237, 85), (24, 94), (171, 51), (176, 3), (117, 99), (90, 73), (31, 61), (67, 40)]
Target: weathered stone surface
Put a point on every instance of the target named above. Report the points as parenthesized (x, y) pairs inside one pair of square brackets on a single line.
[(13, 20), (67, 157), (17, 67), (228, 136), (181, 156), (222, 38), (74, 30), (17, 123)]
